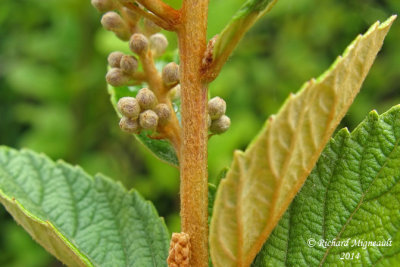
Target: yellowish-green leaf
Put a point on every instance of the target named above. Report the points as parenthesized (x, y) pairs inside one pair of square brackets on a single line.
[(264, 179)]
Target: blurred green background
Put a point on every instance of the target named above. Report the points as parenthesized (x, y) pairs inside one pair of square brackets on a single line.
[(53, 95)]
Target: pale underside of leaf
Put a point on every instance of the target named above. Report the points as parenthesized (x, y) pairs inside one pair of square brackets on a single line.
[(264, 179), (82, 220), (352, 194)]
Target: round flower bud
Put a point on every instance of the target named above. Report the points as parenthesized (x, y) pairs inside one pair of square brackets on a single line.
[(158, 44), (112, 21), (114, 59), (129, 107), (150, 27), (129, 125), (163, 112), (170, 73), (146, 99), (148, 120), (103, 5), (220, 125), (116, 77), (138, 43), (216, 107), (128, 64)]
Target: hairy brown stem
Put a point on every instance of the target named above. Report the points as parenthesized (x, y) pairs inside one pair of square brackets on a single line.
[(157, 20), (193, 161)]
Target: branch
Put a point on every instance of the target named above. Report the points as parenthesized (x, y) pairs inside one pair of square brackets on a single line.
[(172, 130), (162, 11), (160, 22)]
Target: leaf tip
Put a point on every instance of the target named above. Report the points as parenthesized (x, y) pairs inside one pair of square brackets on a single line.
[(389, 21), (373, 115)]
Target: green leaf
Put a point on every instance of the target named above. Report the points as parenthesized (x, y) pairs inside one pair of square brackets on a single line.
[(352, 194), (162, 149), (264, 179), (82, 220)]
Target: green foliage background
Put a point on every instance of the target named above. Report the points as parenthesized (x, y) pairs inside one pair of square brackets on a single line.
[(53, 96)]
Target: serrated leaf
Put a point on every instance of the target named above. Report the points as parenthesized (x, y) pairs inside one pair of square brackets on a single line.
[(351, 196), (82, 220), (241, 22), (264, 179), (162, 149)]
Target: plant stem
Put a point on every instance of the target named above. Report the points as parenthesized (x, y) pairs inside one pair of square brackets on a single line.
[(161, 10), (193, 161)]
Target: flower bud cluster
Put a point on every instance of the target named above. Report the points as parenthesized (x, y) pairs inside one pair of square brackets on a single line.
[(218, 122), (179, 250), (143, 112), (122, 20), (122, 68)]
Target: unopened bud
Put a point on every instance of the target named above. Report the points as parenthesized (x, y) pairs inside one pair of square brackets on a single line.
[(150, 27), (146, 99), (116, 77), (138, 43), (129, 125), (158, 44), (103, 5), (128, 64), (216, 107), (163, 112), (114, 59), (148, 120), (220, 125), (129, 107), (170, 73), (112, 21)]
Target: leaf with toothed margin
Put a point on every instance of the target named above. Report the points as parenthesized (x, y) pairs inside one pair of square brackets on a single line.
[(264, 179), (351, 196), (162, 149), (81, 220)]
